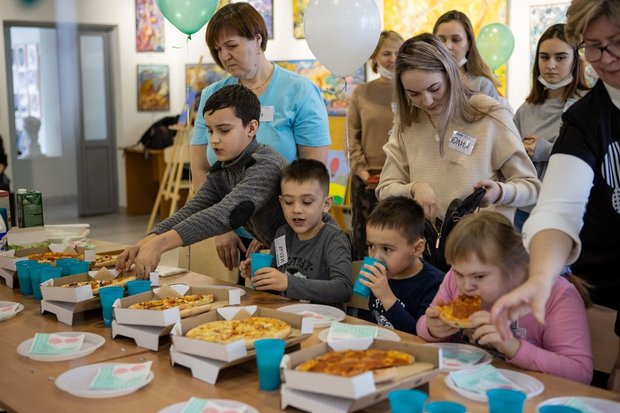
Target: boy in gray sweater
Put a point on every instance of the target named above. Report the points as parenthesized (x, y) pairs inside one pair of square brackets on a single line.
[(312, 257), (241, 189)]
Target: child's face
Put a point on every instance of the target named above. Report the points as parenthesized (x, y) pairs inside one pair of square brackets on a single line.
[(227, 135), (303, 204), (394, 250), (476, 278)]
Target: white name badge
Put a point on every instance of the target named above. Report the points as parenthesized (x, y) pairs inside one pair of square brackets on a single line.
[(280, 250), (462, 143), (266, 113)]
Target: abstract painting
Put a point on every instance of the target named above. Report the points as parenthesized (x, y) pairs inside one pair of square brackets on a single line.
[(299, 8), (153, 88), (264, 7), (209, 73), (149, 27)]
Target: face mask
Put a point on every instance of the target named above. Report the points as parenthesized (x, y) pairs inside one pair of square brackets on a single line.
[(384, 72), (462, 62), (553, 86)]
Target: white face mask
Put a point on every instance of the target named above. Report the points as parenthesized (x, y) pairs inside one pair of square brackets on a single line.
[(462, 62), (388, 74), (554, 86)]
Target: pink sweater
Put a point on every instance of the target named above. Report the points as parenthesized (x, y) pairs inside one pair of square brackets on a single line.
[(560, 347)]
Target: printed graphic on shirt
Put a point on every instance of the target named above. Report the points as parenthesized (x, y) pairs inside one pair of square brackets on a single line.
[(610, 169), (297, 264), (378, 313)]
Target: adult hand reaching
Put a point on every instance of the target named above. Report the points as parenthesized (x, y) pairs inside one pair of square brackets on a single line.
[(228, 246)]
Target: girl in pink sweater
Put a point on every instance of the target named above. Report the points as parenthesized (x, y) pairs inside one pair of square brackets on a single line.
[(488, 260)]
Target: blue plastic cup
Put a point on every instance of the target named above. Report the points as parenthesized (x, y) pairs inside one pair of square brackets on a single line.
[(445, 407), (359, 288), (506, 401), (108, 295), (35, 279), (407, 401), (79, 267), (23, 275), (269, 353), (260, 260), (138, 286), (49, 273), (64, 263), (557, 409)]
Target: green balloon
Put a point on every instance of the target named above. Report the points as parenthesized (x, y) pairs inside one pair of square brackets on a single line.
[(495, 43), (188, 15)]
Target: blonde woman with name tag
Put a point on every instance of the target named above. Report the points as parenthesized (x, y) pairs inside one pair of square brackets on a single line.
[(448, 140)]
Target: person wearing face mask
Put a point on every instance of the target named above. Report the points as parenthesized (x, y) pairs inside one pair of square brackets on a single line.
[(369, 120), (448, 140), (456, 32), (293, 114), (577, 218), (558, 81)]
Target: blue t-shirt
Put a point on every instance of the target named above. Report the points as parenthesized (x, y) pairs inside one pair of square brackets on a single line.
[(299, 114), (414, 296)]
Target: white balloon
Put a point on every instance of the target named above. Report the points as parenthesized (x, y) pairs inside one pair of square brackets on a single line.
[(342, 34)]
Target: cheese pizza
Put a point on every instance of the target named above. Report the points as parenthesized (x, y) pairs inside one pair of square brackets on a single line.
[(50, 257), (97, 284), (189, 305), (349, 363), (456, 313), (249, 330), (104, 260)]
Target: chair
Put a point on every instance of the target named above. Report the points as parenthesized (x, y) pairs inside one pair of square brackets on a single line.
[(357, 302), (604, 342)]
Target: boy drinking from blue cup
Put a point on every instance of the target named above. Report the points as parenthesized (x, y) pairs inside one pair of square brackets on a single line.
[(312, 257), (402, 285)]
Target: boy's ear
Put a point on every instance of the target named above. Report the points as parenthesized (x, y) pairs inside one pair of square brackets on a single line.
[(328, 204), (252, 128), (418, 247)]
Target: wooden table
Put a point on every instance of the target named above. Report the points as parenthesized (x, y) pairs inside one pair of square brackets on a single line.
[(28, 386)]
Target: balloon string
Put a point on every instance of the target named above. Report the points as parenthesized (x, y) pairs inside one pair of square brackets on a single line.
[(340, 92)]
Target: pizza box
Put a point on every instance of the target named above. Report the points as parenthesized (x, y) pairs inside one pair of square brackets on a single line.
[(235, 351), (158, 318), (65, 311), (10, 278), (52, 289), (362, 386), (149, 337), (10, 257)]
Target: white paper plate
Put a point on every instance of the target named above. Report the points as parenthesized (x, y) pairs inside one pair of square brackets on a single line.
[(77, 382), (382, 334), (91, 343), (448, 364), (7, 316), (324, 310), (531, 386), (178, 407), (602, 405)]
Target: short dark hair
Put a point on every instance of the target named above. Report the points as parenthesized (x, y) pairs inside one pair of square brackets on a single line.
[(240, 19), (303, 170), (400, 214), (238, 97)]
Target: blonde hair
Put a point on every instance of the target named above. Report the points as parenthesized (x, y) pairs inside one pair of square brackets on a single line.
[(384, 37), (581, 12)]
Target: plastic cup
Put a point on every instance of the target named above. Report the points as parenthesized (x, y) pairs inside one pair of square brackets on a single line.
[(260, 260), (269, 353), (506, 401), (108, 295), (138, 286), (35, 277), (49, 273), (407, 401), (557, 409), (64, 263), (445, 407), (23, 275), (79, 267), (359, 288)]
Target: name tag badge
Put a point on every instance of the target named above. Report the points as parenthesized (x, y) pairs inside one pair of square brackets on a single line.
[(266, 113), (462, 143), (280, 250)]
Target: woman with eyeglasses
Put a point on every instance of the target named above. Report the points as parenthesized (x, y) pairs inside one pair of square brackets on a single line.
[(577, 218)]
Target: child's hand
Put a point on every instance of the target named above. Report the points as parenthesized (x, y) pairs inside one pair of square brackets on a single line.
[(377, 281), (270, 279), (485, 333), (245, 268), (436, 327)]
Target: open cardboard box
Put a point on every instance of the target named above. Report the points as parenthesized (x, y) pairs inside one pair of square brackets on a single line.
[(53, 290), (65, 311), (360, 390)]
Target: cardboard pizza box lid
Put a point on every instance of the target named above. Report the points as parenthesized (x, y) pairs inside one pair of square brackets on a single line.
[(52, 289), (65, 312)]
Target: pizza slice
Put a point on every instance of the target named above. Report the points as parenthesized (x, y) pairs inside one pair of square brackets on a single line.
[(249, 330), (347, 363), (97, 284), (104, 260), (456, 313), (189, 305)]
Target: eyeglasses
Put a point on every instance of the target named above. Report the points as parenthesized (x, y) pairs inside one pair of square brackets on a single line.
[(595, 53)]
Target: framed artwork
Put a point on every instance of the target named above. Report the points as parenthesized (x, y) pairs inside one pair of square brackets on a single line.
[(338, 175), (207, 73), (153, 88), (264, 7), (335, 90), (299, 8), (149, 27), (32, 56)]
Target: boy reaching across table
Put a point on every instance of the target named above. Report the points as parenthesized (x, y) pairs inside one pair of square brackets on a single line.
[(241, 189)]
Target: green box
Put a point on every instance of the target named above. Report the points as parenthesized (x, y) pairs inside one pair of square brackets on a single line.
[(30, 209)]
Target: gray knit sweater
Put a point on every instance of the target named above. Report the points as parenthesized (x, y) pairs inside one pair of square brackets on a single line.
[(242, 192)]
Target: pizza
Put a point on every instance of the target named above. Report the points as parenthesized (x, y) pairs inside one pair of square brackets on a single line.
[(189, 305), (250, 330), (104, 260), (97, 284), (349, 363), (456, 313), (50, 257)]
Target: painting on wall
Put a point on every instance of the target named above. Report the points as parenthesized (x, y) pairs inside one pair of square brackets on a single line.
[(299, 7), (208, 73), (264, 7), (149, 27), (153, 88), (338, 175), (336, 91)]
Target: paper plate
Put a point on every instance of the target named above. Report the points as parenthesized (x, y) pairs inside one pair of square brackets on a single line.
[(531, 386), (451, 364), (383, 334), (178, 407), (77, 382), (600, 405), (7, 316), (325, 313), (91, 343)]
